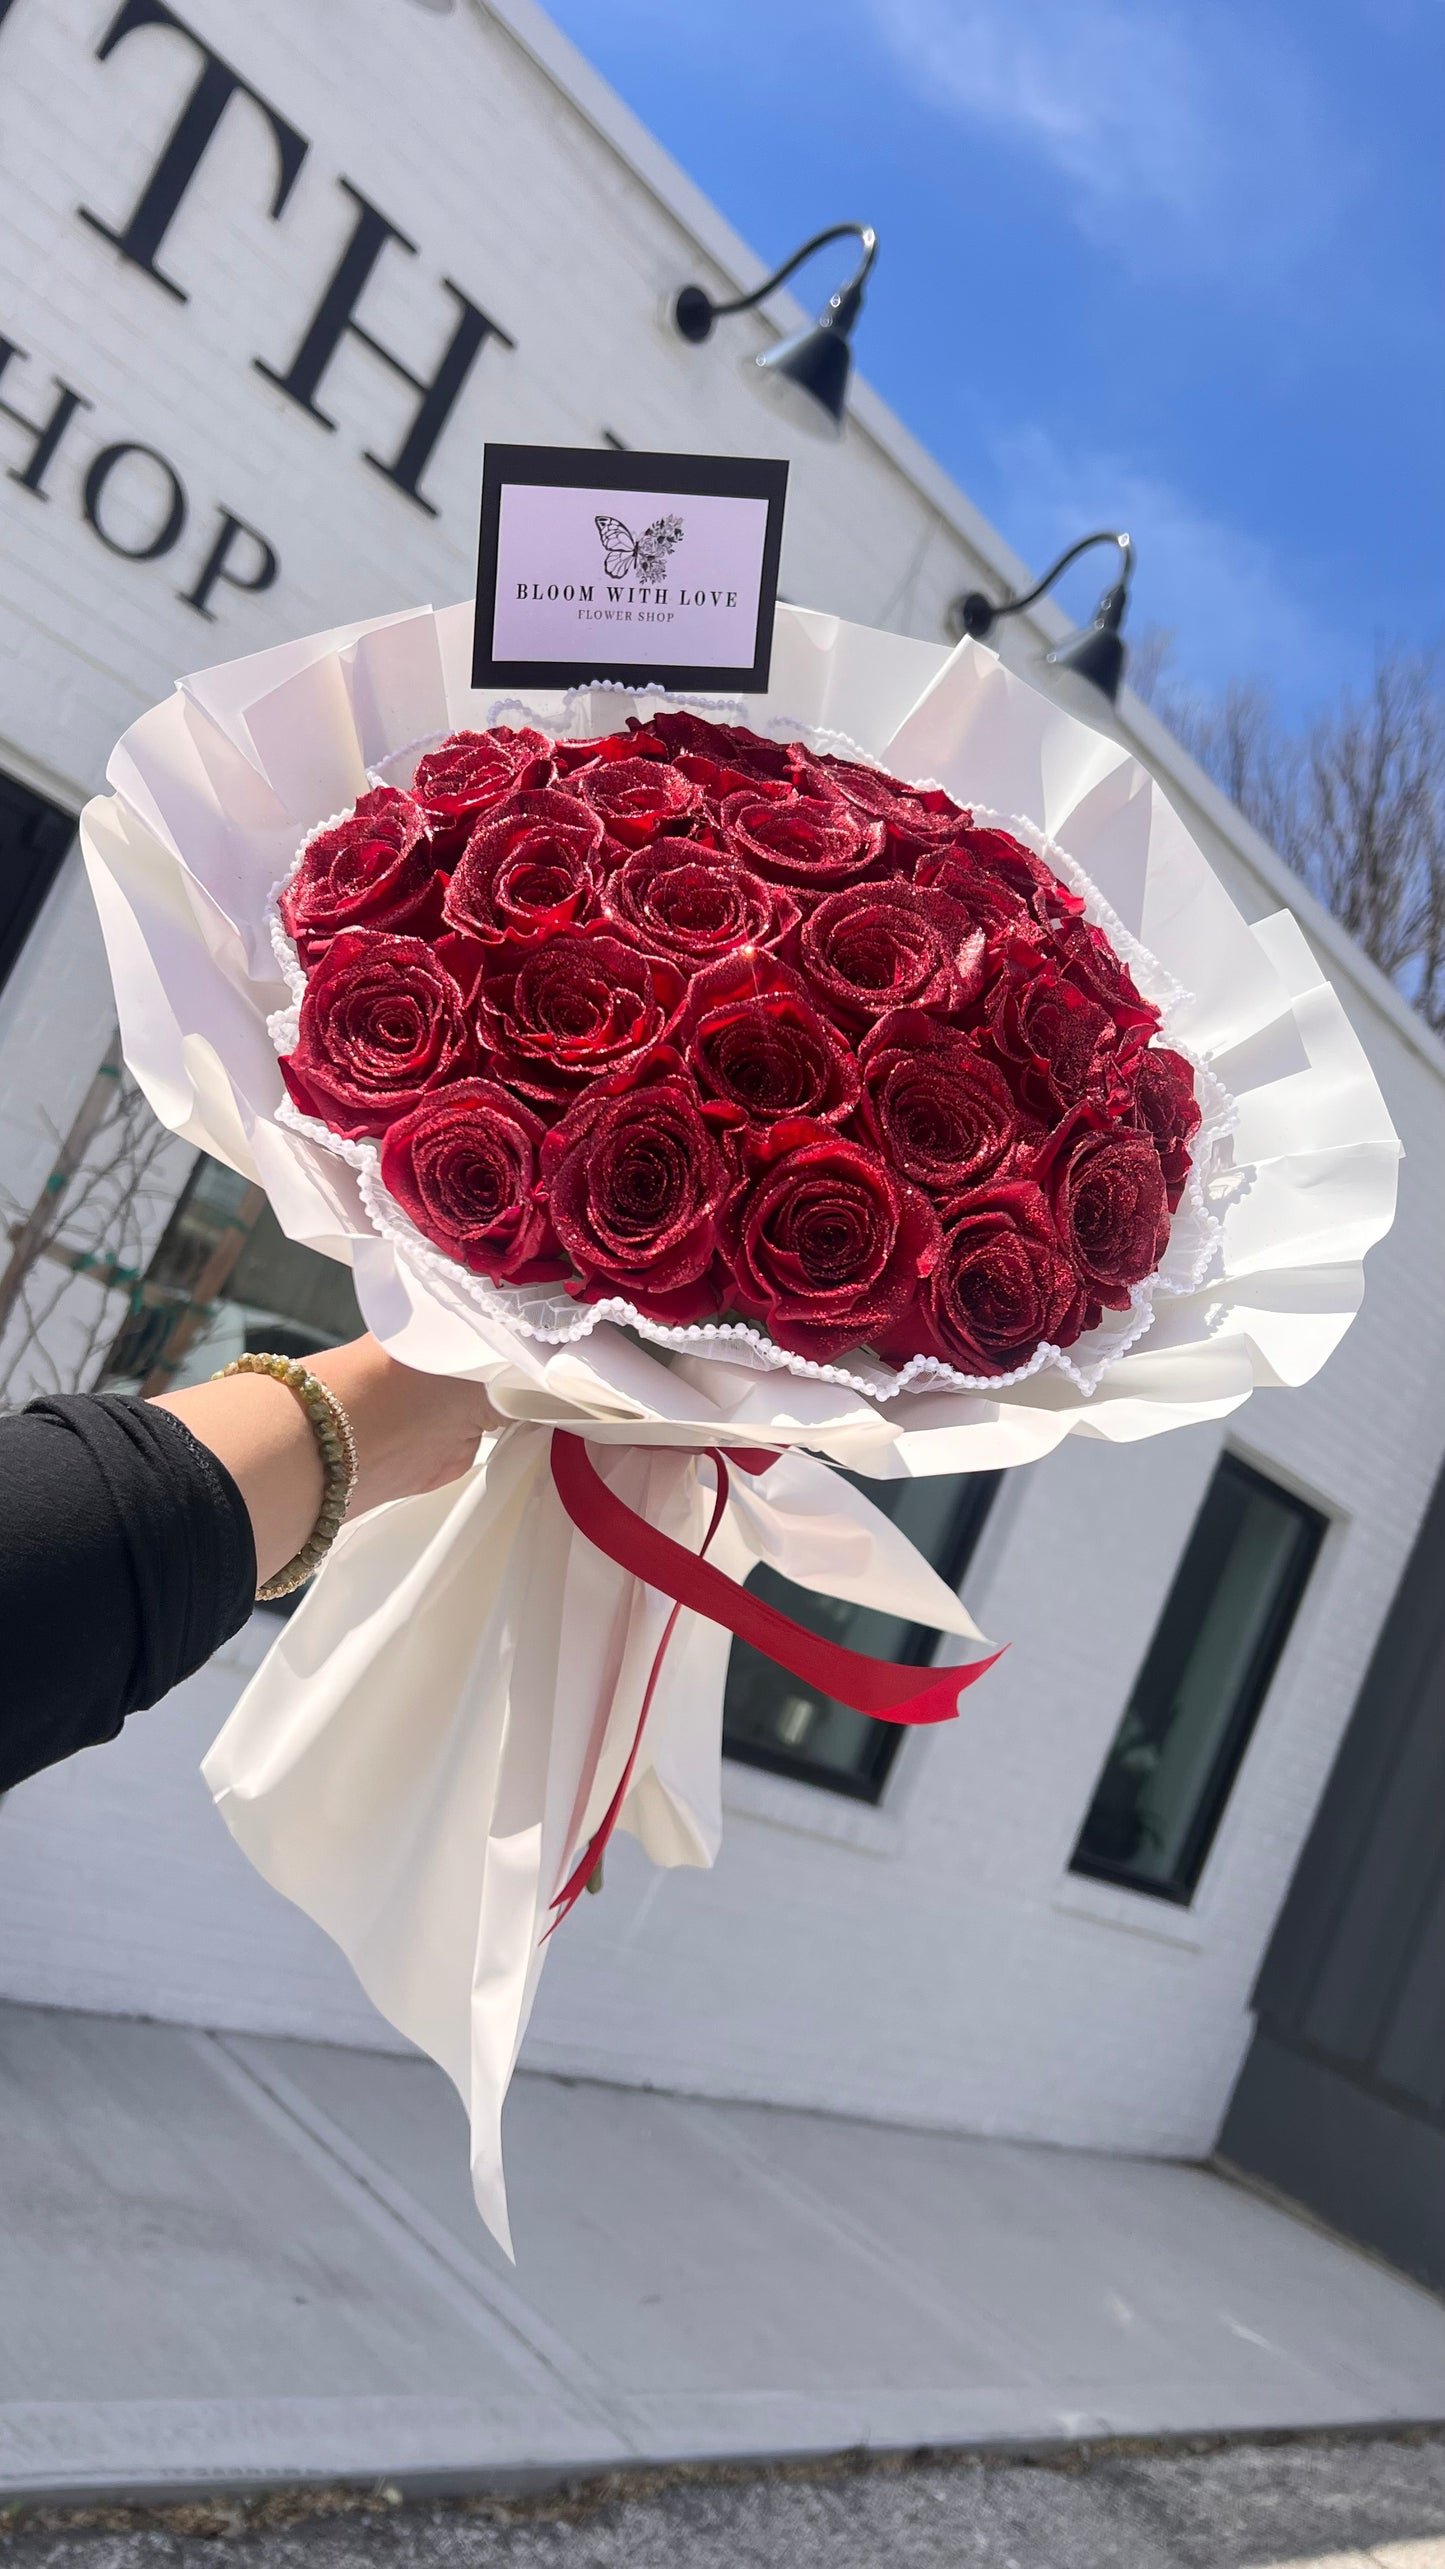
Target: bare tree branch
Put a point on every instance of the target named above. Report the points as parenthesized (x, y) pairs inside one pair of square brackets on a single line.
[(1355, 803)]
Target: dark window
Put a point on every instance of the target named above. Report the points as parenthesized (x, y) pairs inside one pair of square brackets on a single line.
[(293, 1301), (1199, 1693), (770, 1720), (34, 836), (224, 1277)]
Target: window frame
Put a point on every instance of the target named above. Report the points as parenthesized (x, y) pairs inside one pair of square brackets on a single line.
[(46, 834), (978, 1493), (1312, 1523)]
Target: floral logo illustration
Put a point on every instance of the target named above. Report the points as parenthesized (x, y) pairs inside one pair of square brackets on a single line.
[(638, 557)]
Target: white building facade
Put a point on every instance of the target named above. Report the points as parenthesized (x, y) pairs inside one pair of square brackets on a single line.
[(268, 281)]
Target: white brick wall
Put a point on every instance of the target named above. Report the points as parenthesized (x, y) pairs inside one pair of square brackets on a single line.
[(931, 1960), (448, 126)]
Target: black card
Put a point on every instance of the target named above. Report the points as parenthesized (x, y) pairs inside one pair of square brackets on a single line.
[(653, 570)]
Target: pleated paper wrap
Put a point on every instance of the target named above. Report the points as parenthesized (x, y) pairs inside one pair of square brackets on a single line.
[(438, 1730)]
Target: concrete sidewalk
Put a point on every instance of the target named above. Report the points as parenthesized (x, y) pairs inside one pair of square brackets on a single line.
[(226, 2260)]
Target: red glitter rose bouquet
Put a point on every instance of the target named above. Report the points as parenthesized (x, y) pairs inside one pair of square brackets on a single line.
[(874, 1073), (709, 1028)]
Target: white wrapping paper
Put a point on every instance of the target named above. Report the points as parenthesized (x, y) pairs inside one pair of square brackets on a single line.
[(440, 1727)]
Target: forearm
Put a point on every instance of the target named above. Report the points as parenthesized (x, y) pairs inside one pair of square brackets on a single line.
[(413, 1432), (127, 1557)]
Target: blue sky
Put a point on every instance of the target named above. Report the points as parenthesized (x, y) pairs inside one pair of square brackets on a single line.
[(1172, 267)]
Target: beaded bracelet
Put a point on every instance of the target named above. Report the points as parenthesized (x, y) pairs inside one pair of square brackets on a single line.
[(337, 1445)]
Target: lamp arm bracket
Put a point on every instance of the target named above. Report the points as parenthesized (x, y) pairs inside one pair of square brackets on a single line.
[(837, 232), (1104, 535)]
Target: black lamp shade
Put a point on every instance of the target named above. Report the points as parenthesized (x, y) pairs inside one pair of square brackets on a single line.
[(807, 376), (1098, 653)]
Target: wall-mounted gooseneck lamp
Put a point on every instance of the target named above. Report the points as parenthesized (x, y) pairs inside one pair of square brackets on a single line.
[(1097, 652), (808, 374)]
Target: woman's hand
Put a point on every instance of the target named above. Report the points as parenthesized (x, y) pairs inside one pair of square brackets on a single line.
[(413, 1432)]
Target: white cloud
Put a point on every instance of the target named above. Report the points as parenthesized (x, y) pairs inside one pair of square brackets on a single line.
[(1171, 131), (1220, 590)]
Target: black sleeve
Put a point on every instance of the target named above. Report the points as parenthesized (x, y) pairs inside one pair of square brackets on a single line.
[(126, 1558)]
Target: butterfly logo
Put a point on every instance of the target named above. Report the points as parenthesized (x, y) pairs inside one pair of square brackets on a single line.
[(638, 557)]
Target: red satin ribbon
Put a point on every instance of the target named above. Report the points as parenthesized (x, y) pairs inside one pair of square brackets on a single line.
[(878, 1686)]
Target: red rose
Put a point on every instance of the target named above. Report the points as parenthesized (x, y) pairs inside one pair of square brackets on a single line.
[(1111, 1210), (464, 1164), (635, 797), (527, 867), (1060, 1047), (382, 1023), (1166, 1108), (572, 1007), (812, 842), (944, 1115), (472, 772), (569, 755), (757, 1045), (827, 1245), (719, 757), (888, 945), (987, 901), (635, 1180), (375, 869), (1000, 854), (916, 816), (696, 904), (1003, 1286), (1089, 961)]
